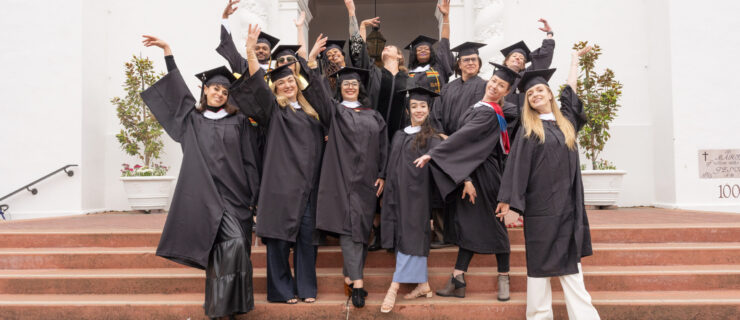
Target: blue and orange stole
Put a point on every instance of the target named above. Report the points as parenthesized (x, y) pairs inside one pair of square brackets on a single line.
[(504, 138)]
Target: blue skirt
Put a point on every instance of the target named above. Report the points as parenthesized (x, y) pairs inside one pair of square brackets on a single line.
[(410, 269)]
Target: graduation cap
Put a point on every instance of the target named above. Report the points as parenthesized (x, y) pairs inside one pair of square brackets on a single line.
[(505, 73), (520, 47), (421, 40), (421, 94), (335, 44), (220, 75), (267, 39), (348, 73), (280, 72), (535, 77), (467, 48), (284, 50)]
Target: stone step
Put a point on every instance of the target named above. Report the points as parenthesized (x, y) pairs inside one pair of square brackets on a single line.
[(377, 280), (605, 254), (652, 233), (718, 304)]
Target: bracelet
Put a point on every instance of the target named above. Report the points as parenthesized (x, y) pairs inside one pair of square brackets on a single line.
[(312, 64), (445, 23), (550, 33)]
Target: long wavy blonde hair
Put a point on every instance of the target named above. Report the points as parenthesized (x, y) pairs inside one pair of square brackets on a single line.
[(284, 102), (533, 124)]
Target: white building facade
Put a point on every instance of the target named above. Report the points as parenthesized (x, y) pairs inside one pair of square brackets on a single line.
[(63, 62)]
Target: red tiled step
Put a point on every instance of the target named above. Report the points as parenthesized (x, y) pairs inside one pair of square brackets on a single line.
[(150, 238), (181, 280), (611, 305), (630, 254)]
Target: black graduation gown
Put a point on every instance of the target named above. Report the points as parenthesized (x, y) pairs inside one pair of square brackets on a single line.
[(541, 59), (542, 181), (407, 198), (473, 151), (383, 88), (355, 156), (440, 72), (218, 172), (292, 158), (456, 98)]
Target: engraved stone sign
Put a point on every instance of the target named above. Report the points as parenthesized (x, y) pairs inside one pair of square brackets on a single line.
[(719, 163)]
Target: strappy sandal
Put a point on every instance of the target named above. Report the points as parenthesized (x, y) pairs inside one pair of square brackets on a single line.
[(309, 300), (417, 293), (389, 301), (292, 301)]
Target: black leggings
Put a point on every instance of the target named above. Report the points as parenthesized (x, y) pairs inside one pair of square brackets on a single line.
[(464, 256)]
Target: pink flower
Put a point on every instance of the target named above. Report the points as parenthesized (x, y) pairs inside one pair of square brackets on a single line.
[(137, 166)]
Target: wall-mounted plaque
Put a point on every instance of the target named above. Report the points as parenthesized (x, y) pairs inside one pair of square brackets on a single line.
[(720, 163)]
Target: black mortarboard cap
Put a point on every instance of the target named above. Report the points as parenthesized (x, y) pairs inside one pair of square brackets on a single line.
[(535, 77), (468, 48), (520, 47), (346, 73), (284, 50), (280, 72), (419, 41), (421, 94), (338, 44), (220, 75), (268, 39), (505, 73)]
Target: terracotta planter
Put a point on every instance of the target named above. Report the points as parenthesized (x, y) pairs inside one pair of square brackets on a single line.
[(601, 187), (148, 193)]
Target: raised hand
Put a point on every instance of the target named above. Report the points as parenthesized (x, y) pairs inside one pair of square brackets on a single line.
[(230, 8), (350, 4), (252, 35), (373, 22), (444, 7), (583, 51), (318, 47), (154, 41), (301, 20), (546, 26)]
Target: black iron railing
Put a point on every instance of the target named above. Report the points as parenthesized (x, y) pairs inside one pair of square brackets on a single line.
[(4, 207)]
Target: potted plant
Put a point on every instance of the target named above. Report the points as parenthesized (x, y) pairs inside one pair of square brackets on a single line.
[(147, 186), (600, 94)]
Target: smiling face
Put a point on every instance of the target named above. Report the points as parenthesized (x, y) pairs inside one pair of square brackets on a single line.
[(216, 95), (515, 61), (540, 98), (262, 50), (423, 53), (335, 56), (287, 87), (496, 88), (469, 65), (419, 111), (350, 90)]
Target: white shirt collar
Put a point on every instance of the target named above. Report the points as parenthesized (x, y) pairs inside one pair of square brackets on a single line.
[(215, 115), (412, 129), (481, 104), (547, 116), (423, 68), (264, 66), (351, 104), (295, 105)]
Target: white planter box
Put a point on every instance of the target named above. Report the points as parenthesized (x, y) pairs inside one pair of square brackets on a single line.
[(602, 187), (148, 193)]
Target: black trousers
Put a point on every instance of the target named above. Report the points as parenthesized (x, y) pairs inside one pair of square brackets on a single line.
[(281, 285), (229, 287), (464, 256)]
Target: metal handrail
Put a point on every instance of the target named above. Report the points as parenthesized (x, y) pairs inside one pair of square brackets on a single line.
[(4, 207)]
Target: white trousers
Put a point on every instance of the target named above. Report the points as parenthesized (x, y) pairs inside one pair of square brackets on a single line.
[(577, 299)]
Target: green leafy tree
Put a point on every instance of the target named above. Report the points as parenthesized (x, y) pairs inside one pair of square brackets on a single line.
[(141, 135), (600, 94)]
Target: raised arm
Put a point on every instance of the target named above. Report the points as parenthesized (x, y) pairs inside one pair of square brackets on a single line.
[(252, 35), (444, 9), (542, 56), (302, 51), (226, 47), (573, 72)]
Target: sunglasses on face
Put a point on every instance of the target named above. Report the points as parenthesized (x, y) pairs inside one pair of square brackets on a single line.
[(287, 59)]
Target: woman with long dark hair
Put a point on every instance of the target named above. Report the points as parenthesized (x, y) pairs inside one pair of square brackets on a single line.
[(287, 202), (209, 225), (542, 182), (352, 172), (470, 163), (408, 200)]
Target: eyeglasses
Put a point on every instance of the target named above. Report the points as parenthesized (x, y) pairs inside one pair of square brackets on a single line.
[(350, 84), (287, 59), (469, 60)]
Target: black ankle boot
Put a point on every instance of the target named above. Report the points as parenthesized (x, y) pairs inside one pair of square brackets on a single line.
[(376, 245), (358, 297)]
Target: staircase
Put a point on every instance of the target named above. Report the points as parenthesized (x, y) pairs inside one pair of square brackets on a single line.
[(647, 264)]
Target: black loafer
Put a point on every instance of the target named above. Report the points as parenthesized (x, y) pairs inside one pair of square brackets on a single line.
[(358, 297)]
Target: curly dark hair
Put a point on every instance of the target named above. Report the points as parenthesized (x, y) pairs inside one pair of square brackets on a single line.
[(413, 62)]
